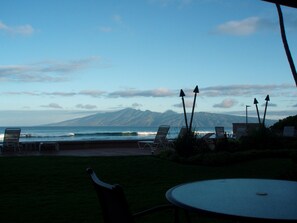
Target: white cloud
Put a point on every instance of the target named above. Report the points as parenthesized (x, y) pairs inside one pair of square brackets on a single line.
[(62, 94), (245, 90), (188, 104), (2, 26), (251, 91), (269, 105), (226, 103), (92, 93), (117, 18), (165, 3), (49, 71), (22, 93), (105, 29), (243, 27), (161, 2), (160, 92), (23, 30)]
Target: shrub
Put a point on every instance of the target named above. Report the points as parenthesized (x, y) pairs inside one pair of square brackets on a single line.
[(263, 138), (190, 145), (289, 121), (262, 143)]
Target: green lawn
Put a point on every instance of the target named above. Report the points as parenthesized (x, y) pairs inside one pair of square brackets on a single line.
[(57, 189)]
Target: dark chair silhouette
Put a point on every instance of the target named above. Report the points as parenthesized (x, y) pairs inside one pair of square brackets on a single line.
[(114, 205)]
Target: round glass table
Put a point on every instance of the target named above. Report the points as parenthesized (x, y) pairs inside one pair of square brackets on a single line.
[(262, 199)]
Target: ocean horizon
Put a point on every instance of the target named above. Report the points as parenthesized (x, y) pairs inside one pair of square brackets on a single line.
[(92, 133)]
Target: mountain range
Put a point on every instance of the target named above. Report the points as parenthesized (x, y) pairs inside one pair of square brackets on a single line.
[(134, 117)]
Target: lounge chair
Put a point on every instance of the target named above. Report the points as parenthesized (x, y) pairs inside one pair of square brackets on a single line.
[(240, 130), (220, 132), (114, 205), (11, 139), (160, 140), (289, 131), (209, 140), (182, 132)]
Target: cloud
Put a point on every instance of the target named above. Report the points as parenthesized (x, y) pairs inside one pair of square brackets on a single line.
[(63, 94), (52, 105), (271, 114), (50, 71), (244, 90), (226, 103), (165, 3), (290, 21), (186, 2), (23, 30), (92, 93), (251, 91), (294, 106), (117, 18), (160, 92), (188, 104), (86, 106), (136, 105), (105, 29), (269, 105), (117, 21), (244, 27), (22, 93)]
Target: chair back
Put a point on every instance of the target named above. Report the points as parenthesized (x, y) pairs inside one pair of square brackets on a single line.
[(162, 134), (289, 131), (220, 132), (11, 137), (113, 202), (182, 132), (207, 135), (209, 140)]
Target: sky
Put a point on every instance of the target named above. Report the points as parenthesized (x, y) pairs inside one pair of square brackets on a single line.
[(62, 59)]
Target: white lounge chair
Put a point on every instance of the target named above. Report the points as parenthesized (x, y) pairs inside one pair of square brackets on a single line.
[(182, 132), (11, 140), (209, 140), (220, 132), (289, 131), (159, 141)]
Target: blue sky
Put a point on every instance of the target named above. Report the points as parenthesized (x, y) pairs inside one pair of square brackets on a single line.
[(61, 59)]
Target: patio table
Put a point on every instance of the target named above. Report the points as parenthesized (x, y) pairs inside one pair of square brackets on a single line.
[(249, 199)]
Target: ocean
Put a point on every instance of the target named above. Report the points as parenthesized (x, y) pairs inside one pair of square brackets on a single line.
[(92, 133)]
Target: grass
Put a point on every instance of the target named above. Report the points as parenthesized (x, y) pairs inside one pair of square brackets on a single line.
[(57, 189)]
